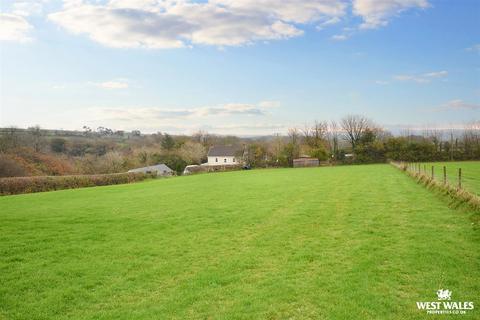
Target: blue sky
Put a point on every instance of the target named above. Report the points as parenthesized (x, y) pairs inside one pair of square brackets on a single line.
[(238, 67)]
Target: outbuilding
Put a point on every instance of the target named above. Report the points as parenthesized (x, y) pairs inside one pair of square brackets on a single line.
[(159, 169), (305, 162)]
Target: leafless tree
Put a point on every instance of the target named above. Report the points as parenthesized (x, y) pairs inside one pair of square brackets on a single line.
[(36, 136), (333, 137), (9, 139), (353, 127), (315, 135), (294, 136)]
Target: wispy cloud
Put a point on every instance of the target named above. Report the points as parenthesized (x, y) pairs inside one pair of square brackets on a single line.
[(421, 78), (15, 28), (111, 85), (339, 37), (474, 48), (459, 104), (229, 109)]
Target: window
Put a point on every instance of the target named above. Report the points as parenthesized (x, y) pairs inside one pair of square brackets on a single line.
[(216, 159), (233, 159), (225, 160)]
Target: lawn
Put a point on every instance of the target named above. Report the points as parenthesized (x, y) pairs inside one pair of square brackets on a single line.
[(470, 173), (351, 242)]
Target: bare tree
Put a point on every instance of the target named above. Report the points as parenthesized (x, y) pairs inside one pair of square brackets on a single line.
[(9, 139), (353, 127), (36, 135), (333, 137)]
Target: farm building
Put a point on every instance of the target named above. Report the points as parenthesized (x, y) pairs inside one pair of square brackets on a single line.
[(160, 170), (225, 155), (305, 162), (193, 168)]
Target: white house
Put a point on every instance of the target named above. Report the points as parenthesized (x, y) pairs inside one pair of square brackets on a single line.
[(224, 156)]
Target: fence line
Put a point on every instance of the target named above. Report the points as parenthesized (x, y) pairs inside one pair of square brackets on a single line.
[(440, 182), (417, 169)]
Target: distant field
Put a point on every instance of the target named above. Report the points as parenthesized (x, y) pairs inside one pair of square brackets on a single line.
[(470, 173), (350, 242)]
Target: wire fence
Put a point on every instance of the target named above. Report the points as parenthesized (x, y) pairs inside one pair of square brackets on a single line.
[(435, 173)]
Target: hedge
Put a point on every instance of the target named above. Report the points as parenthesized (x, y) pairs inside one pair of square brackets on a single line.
[(19, 185)]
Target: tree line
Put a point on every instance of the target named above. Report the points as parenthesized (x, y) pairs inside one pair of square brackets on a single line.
[(353, 139)]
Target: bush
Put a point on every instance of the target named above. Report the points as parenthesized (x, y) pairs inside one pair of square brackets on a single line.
[(19, 185), (58, 145), (10, 168)]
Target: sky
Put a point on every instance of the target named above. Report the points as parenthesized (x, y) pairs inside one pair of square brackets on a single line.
[(245, 67)]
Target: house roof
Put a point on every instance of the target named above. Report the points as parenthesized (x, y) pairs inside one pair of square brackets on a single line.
[(228, 151), (159, 167)]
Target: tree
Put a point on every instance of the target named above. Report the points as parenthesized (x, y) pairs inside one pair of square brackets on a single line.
[(10, 168), (167, 142), (333, 136), (9, 139), (319, 152), (36, 136), (58, 145), (353, 127), (292, 149), (192, 152), (111, 162)]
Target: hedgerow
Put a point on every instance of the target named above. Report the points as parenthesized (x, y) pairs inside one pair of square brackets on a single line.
[(17, 185)]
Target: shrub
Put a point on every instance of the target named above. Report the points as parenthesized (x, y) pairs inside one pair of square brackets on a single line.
[(10, 168), (19, 185), (58, 145)]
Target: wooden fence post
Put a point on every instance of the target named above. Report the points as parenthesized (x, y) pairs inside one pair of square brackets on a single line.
[(433, 174), (459, 178), (444, 174), (425, 169)]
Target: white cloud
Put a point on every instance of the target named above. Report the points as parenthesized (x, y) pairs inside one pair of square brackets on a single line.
[(421, 78), (27, 8), (114, 84), (377, 13), (14, 27), (174, 24), (459, 104)]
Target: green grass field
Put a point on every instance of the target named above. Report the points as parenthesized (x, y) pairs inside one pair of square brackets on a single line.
[(470, 173), (351, 242)]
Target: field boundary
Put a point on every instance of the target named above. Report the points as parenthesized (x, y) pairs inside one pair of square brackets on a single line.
[(458, 195), (20, 185)]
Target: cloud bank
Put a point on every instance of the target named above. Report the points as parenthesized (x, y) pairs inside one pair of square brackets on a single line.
[(183, 23)]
